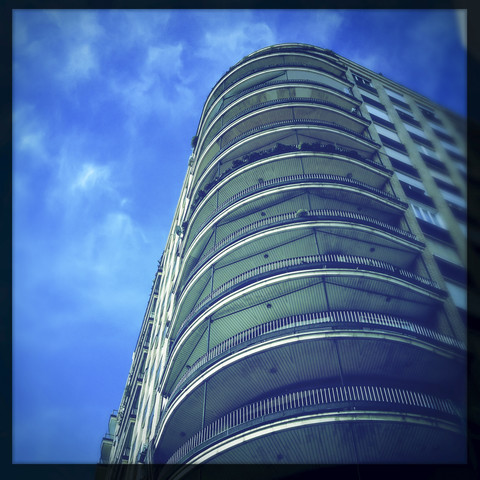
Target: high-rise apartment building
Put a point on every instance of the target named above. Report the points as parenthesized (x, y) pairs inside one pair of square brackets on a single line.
[(310, 304)]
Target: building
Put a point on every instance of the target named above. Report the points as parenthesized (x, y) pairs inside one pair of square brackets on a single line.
[(310, 304)]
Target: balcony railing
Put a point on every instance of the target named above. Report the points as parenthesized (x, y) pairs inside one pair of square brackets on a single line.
[(281, 149), (319, 400), (337, 319), (326, 261), (307, 177), (228, 82), (287, 218), (287, 102), (287, 83), (296, 122)]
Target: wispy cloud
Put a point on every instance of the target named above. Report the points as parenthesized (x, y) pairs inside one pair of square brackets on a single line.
[(82, 62), (90, 176), (29, 133), (328, 24), (231, 42)]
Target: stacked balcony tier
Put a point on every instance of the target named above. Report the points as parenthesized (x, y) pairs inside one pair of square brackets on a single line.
[(307, 326)]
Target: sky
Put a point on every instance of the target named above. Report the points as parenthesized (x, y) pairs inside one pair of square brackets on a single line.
[(105, 103)]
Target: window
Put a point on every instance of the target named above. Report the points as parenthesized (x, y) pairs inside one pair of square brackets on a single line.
[(393, 94), (403, 110), (406, 117), (403, 167), (438, 128), (441, 177), (430, 216), (387, 133), (428, 151), (410, 180), (369, 95), (369, 100), (455, 199), (376, 111), (458, 294), (451, 148), (428, 114), (397, 155), (361, 80), (415, 130)]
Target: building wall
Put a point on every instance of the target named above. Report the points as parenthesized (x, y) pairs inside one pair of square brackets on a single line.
[(312, 285)]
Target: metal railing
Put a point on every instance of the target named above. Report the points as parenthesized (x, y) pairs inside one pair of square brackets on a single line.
[(366, 397), (229, 100), (300, 121), (291, 179), (287, 101), (324, 261), (323, 214), (343, 318), (222, 85), (338, 150)]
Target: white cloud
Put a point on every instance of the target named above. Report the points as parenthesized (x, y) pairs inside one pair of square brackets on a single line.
[(165, 59), (327, 24), (231, 42), (29, 135), (76, 25), (90, 176), (82, 62)]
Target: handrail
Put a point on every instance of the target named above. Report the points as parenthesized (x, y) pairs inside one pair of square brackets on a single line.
[(298, 121), (317, 214), (292, 122), (282, 66), (272, 83), (295, 149), (325, 261), (298, 178), (279, 101), (344, 318), (364, 396)]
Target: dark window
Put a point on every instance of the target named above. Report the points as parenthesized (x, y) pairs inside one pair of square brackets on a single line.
[(435, 232), (404, 168), (421, 140), (458, 212), (444, 136), (416, 193), (430, 115), (452, 271), (434, 163), (447, 186), (398, 102), (392, 143), (456, 156), (363, 82), (408, 118), (373, 102), (381, 121)]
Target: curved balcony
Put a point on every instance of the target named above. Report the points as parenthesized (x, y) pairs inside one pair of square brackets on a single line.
[(351, 117), (347, 263), (222, 170), (328, 216), (270, 62), (273, 132), (344, 97), (350, 402), (312, 180), (335, 319)]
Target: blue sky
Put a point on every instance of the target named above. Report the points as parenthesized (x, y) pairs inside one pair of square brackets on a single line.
[(105, 104)]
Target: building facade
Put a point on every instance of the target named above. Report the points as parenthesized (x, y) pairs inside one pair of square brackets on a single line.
[(310, 304)]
